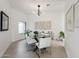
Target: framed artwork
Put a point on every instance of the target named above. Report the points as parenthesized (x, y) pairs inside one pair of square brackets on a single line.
[(43, 25), (4, 21), (77, 14), (70, 19)]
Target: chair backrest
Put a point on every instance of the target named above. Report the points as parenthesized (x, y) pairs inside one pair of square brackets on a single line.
[(44, 42)]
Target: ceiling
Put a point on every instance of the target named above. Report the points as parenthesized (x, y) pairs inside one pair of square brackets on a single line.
[(28, 6)]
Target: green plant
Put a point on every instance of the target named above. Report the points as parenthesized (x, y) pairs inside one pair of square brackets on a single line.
[(27, 32), (61, 34)]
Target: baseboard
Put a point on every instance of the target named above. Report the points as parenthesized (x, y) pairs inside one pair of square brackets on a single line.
[(68, 54), (17, 40)]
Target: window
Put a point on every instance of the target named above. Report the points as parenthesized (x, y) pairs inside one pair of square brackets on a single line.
[(21, 27)]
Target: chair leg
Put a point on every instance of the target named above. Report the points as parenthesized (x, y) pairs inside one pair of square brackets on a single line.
[(35, 48), (50, 50), (38, 55), (37, 52)]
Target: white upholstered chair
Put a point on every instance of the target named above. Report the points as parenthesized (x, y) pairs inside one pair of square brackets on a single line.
[(30, 40), (44, 43)]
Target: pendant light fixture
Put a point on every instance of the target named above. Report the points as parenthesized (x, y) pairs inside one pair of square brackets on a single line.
[(38, 10)]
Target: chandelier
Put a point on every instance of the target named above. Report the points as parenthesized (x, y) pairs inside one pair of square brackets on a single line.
[(39, 6)]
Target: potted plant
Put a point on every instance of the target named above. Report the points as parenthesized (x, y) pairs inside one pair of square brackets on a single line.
[(61, 35), (27, 32)]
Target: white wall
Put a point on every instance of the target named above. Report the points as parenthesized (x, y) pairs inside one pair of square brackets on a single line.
[(72, 38), (5, 36), (16, 17), (57, 19)]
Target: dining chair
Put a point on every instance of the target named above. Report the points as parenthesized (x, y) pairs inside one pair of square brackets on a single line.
[(43, 43)]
